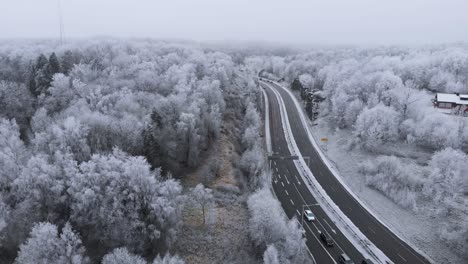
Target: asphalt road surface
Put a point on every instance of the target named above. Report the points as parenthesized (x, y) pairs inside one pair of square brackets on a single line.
[(293, 194)]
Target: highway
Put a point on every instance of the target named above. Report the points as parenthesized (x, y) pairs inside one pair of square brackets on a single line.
[(293, 193)]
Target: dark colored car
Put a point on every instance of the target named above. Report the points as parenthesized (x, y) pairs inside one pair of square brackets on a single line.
[(344, 259), (327, 240)]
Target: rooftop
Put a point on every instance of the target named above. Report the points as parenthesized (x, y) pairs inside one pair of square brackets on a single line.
[(461, 99)]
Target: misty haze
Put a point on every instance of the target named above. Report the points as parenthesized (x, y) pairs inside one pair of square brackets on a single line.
[(239, 132)]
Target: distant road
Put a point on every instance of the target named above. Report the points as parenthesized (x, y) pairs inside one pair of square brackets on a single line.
[(292, 193)]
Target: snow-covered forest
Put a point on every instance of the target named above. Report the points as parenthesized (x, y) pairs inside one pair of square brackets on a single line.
[(98, 136), (382, 98), (100, 139)]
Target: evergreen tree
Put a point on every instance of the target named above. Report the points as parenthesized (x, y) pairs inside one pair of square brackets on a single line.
[(41, 62), (296, 85), (67, 62), (38, 79), (53, 66), (31, 79)]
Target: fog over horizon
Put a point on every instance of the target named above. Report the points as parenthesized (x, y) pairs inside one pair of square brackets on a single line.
[(357, 22)]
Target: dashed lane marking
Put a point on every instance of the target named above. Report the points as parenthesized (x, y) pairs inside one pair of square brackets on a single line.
[(298, 182), (298, 212), (371, 229), (333, 230), (291, 201), (402, 257), (320, 243), (282, 183), (299, 193), (276, 168), (286, 192)]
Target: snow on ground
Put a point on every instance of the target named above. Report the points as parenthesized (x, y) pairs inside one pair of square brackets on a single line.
[(417, 228)]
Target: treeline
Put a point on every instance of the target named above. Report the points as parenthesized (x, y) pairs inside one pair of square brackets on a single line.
[(91, 136), (383, 96)]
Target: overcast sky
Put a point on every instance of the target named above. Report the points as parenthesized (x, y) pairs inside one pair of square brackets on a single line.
[(293, 21)]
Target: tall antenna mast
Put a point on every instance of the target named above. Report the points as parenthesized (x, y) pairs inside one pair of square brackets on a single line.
[(60, 22)]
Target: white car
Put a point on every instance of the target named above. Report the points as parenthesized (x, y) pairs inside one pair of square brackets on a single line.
[(309, 215)]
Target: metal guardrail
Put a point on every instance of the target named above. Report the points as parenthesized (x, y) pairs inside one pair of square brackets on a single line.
[(269, 150), (307, 174)]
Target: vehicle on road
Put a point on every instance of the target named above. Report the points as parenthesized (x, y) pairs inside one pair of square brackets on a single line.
[(344, 259), (367, 261), (309, 215), (326, 239)]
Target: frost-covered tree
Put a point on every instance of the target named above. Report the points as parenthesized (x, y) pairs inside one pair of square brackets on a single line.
[(13, 154), (307, 81), (168, 259), (121, 201), (16, 102), (203, 198), (434, 131), (68, 136), (252, 162), (268, 226), (45, 245), (60, 94), (189, 138), (448, 177), (252, 117), (377, 125), (266, 223), (271, 255), (399, 181), (54, 66), (43, 185), (4, 213), (122, 256)]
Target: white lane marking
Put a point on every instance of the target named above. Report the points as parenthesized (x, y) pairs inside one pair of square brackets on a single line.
[(333, 230), (286, 192), (275, 181), (298, 212), (297, 179), (318, 230), (274, 162), (279, 175), (282, 183), (276, 168), (286, 179), (299, 193), (321, 244), (291, 201), (334, 241), (371, 229), (402, 257), (306, 240)]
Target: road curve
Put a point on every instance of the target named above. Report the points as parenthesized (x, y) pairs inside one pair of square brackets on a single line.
[(292, 192), (391, 245)]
